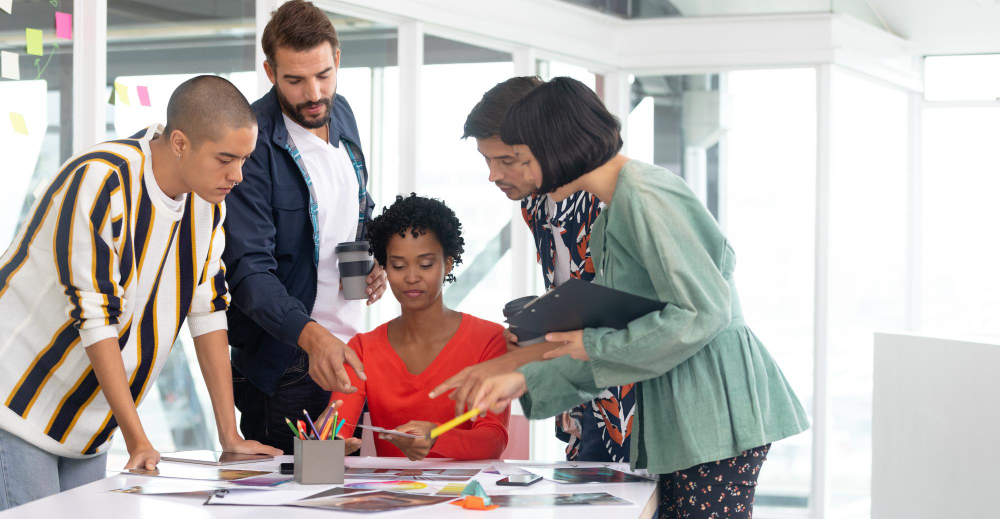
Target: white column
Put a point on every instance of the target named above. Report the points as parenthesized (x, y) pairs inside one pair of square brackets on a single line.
[(914, 310), (411, 62), (819, 502), (522, 246), (90, 70), (618, 100), (262, 15)]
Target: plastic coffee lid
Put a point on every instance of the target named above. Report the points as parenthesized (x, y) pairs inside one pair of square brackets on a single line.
[(516, 305), (352, 246)]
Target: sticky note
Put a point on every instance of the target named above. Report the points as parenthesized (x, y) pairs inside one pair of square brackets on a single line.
[(64, 26), (143, 95), (17, 121), (9, 66), (122, 93), (34, 37), (5, 5)]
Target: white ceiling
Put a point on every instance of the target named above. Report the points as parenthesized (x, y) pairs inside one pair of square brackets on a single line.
[(945, 26)]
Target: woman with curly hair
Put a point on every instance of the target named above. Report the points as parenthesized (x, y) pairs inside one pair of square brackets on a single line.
[(419, 240)]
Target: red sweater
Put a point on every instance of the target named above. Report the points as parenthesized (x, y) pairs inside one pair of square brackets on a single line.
[(396, 396)]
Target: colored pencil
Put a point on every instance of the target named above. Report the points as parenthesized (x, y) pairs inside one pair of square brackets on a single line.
[(292, 427), (311, 424), (454, 422), (325, 432), (341, 424), (329, 414)]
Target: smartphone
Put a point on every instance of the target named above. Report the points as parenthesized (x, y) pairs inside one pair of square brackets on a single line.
[(519, 480), (288, 468)]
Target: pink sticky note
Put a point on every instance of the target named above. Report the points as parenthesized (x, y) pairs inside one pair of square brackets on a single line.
[(143, 95), (64, 26)]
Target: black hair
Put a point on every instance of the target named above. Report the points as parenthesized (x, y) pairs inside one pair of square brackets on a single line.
[(203, 106), (567, 128), (484, 120), (421, 215)]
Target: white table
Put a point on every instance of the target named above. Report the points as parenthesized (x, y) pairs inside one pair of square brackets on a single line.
[(94, 500)]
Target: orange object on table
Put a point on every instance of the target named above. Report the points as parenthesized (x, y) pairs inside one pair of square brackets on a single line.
[(474, 503)]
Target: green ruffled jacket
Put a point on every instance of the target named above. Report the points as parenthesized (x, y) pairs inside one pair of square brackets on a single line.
[(707, 388)]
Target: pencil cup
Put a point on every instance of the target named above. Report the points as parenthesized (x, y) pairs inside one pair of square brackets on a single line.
[(319, 462)]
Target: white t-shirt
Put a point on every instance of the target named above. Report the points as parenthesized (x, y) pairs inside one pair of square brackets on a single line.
[(175, 205), (336, 186), (562, 261)]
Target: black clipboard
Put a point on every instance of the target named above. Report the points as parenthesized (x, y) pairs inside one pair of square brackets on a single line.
[(577, 304)]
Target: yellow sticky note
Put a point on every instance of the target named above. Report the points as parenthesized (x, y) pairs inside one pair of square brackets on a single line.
[(17, 121), (122, 92), (34, 38)]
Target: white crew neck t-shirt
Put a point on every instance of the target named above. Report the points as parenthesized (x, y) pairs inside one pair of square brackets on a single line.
[(336, 186)]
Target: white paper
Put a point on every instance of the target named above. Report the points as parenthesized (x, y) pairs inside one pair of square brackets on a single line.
[(508, 469), (256, 497), (9, 67), (5, 5), (387, 431)]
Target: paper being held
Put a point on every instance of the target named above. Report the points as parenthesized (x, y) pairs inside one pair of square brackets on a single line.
[(387, 431)]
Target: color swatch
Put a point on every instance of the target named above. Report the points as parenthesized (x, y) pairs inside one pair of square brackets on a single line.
[(122, 92), (9, 66), (401, 486), (34, 39), (17, 121), (143, 93), (64, 26)]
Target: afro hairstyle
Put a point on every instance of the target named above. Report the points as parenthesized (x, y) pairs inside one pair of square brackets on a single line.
[(419, 215)]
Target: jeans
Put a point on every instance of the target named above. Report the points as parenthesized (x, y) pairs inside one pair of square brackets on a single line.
[(28, 473), (263, 417)]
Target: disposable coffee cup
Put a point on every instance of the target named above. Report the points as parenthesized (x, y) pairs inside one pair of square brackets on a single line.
[(355, 263), (524, 337)]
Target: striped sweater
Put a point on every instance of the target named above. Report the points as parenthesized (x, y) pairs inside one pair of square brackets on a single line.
[(101, 255)]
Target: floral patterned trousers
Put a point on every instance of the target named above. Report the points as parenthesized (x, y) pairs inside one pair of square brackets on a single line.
[(721, 489)]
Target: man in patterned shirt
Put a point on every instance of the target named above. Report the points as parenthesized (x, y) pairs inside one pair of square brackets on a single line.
[(598, 430)]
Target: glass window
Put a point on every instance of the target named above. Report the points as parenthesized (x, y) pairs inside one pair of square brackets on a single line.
[(36, 105), (962, 78), (770, 188), (958, 245), (152, 48), (867, 268), (454, 78), (369, 80), (746, 143)]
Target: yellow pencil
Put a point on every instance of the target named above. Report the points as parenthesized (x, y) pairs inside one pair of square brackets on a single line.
[(454, 422)]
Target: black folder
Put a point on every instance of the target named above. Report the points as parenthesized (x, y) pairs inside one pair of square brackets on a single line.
[(577, 304)]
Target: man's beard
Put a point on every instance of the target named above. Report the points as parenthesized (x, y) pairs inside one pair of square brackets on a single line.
[(297, 115)]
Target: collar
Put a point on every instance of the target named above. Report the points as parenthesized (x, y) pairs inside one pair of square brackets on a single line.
[(563, 210)]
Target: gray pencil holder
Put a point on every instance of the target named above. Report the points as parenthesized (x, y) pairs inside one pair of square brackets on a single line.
[(319, 462)]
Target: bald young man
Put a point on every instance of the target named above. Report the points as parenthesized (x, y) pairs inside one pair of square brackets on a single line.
[(121, 247)]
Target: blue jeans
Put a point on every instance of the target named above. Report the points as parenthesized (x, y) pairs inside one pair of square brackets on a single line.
[(28, 473)]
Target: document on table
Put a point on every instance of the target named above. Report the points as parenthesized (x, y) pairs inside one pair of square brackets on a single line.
[(254, 497)]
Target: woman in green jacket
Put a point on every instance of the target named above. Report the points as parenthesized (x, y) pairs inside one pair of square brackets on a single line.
[(710, 398)]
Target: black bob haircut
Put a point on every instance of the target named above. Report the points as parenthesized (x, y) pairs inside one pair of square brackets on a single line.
[(484, 120), (567, 128), (422, 215)]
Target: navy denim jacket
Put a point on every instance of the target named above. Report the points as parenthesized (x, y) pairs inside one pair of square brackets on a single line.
[(270, 246)]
